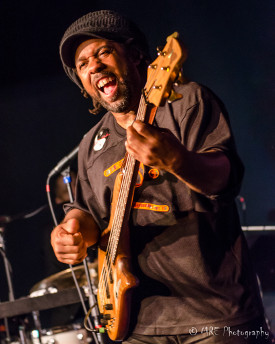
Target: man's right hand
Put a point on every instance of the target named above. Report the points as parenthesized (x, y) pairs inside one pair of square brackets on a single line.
[(68, 243)]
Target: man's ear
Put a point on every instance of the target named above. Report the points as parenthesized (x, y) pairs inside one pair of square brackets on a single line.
[(135, 56)]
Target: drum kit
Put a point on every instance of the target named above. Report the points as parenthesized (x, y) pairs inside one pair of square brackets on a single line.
[(76, 285), (57, 290)]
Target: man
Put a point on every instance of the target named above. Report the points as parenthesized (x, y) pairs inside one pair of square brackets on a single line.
[(188, 251)]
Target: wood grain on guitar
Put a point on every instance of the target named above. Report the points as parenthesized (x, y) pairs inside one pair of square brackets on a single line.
[(116, 280)]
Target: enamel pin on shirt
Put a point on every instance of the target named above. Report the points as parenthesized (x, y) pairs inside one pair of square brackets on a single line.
[(101, 138)]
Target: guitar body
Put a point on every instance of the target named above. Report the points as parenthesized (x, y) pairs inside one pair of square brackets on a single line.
[(116, 285)]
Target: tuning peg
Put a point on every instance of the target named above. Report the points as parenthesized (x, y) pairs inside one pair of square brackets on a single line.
[(174, 96), (160, 51), (181, 79)]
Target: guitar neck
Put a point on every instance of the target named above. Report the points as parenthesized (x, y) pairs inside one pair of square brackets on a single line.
[(129, 171)]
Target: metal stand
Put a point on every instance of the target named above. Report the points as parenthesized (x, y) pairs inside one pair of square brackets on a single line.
[(8, 270), (67, 180), (8, 276), (92, 298), (242, 203)]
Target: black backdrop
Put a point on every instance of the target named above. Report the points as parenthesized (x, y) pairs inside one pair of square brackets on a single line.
[(43, 115)]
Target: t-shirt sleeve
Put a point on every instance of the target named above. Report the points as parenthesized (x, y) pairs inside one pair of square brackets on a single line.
[(205, 126)]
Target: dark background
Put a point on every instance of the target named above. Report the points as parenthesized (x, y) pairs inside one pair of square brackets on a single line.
[(43, 115)]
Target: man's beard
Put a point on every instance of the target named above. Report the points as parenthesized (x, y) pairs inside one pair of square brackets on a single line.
[(120, 105), (124, 92)]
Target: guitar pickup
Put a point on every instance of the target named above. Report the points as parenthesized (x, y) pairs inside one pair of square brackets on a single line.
[(108, 307)]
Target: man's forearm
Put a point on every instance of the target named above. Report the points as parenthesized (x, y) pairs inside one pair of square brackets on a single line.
[(205, 173)]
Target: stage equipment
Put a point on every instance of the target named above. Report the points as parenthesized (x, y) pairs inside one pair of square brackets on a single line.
[(63, 280), (93, 320)]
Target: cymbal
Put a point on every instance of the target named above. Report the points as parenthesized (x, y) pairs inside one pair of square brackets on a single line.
[(64, 279)]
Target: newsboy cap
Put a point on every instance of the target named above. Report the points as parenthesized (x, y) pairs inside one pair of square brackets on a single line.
[(105, 24)]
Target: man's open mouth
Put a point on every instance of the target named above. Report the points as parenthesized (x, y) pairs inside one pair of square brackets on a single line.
[(107, 85)]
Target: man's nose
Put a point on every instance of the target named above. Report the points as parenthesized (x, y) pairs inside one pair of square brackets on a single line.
[(95, 65)]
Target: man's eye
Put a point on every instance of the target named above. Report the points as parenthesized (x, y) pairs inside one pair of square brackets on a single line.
[(81, 65), (105, 52)]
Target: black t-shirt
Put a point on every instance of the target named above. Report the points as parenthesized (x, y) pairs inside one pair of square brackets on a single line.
[(188, 250)]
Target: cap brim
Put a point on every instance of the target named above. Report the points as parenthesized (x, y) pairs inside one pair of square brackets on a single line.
[(69, 46)]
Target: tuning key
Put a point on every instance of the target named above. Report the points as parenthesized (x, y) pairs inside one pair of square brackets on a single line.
[(160, 51)]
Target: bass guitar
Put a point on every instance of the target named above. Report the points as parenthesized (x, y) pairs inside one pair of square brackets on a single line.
[(116, 280)]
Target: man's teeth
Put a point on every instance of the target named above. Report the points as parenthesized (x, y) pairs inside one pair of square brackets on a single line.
[(103, 82)]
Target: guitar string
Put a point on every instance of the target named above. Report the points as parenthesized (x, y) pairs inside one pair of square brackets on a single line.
[(121, 196), (120, 209), (124, 187), (115, 230), (112, 242), (113, 239)]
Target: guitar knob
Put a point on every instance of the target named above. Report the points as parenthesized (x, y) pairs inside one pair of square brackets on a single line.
[(108, 307), (107, 316), (104, 322)]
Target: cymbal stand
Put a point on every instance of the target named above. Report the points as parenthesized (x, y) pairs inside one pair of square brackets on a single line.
[(67, 180), (92, 298), (8, 276), (8, 269), (242, 204)]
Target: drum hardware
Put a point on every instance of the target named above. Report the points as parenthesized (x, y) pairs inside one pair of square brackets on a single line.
[(63, 280), (242, 209), (8, 274), (67, 180), (4, 220), (49, 296), (26, 305), (73, 334), (22, 335)]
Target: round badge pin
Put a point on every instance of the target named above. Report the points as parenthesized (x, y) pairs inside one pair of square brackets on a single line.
[(101, 138)]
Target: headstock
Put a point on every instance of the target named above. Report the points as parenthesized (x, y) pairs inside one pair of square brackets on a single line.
[(164, 71)]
